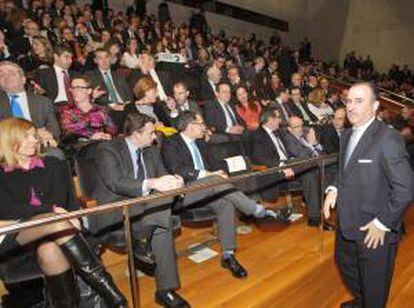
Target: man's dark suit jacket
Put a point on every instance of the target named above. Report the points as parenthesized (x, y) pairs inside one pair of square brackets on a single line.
[(41, 111), (295, 148), (47, 79), (119, 82), (206, 92), (115, 179), (329, 139), (216, 119), (296, 111), (178, 160), (263, 151), (163, 76), (377, 182)]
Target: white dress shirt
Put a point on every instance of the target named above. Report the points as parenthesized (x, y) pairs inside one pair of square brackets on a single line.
[(62, 95), (278, 144), (228, 113), (201, 173), (161, 92), (130, 61), (24, 104)]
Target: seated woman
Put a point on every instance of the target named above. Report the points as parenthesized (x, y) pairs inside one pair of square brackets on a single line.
[(130, 56), (248, 109), (34, 186), (40, 55), (146, 94), (318, 106), (84, 119)]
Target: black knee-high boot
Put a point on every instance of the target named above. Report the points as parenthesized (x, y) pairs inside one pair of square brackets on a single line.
[(90, 268), (61, 290)]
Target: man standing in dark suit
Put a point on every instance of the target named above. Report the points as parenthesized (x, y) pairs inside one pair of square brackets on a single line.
[(220, 116), (15, 101), (54, 82), (127, 168), (374, 187)]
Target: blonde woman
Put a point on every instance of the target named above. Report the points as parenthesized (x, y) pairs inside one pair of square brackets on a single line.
[(34, 186)]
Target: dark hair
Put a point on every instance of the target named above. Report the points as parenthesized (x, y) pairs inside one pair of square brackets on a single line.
[(252, 105), (84, 78), (266, 114), (222, 83), (294, 88), (181, 84), (98, 50), (185, 119), (135, 122), (60, 49)]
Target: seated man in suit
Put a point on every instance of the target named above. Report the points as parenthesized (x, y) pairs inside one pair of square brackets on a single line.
[(15, 101), (114, 89), (269, 148), (186, 154), (220, 116), (209, 83), (281, 104), (146, 67), (303, 145), (129, 167), (299, 108), (174, 107), (54, 82)]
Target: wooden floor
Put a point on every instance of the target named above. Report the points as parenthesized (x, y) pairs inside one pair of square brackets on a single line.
[(286, 265)]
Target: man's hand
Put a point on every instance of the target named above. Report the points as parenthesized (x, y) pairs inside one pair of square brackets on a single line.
[(166, 182), (37, 88), (171, 104), (46, 138), (330, 201), (311, 137), (117, 107), (97, 92), (220, 173), (236, 129), (374, 235), (289, 173), (101, 136)]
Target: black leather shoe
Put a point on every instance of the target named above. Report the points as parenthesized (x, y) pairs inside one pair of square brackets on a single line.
[(351, 304), (314, 222), (233, 266), (170, 299), (328, 226)]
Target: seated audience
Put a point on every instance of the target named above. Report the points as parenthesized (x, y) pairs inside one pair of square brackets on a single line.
[(15, 101), (247, 108), (83, 118), (209, 84), (33, 186), (220, 116), (129, 167), (317, 105), (299, 108)]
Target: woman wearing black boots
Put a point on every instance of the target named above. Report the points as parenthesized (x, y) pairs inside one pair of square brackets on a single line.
[(33, 186)]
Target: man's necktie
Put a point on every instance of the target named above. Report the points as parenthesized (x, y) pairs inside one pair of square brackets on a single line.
[(141, 171), (230, 114), (353, 140), (66, 82), (15, 108), (198, 161), (281, 147), (110, 87)]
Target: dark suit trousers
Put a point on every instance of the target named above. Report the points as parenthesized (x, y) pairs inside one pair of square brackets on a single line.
[(163, 248), (214, 199), (311, 192), (367, 273)]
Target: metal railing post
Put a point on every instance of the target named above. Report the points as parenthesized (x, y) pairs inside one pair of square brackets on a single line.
[(322, 166), (133, 280)]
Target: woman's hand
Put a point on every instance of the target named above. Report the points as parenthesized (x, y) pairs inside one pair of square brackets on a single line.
[(75, 222)]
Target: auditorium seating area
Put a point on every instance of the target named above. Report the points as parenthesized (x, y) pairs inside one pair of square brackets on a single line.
[(87, 68)]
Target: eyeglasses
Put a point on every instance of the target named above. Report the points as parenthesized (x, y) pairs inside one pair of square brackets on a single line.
[(81, 88), (198, 123)]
